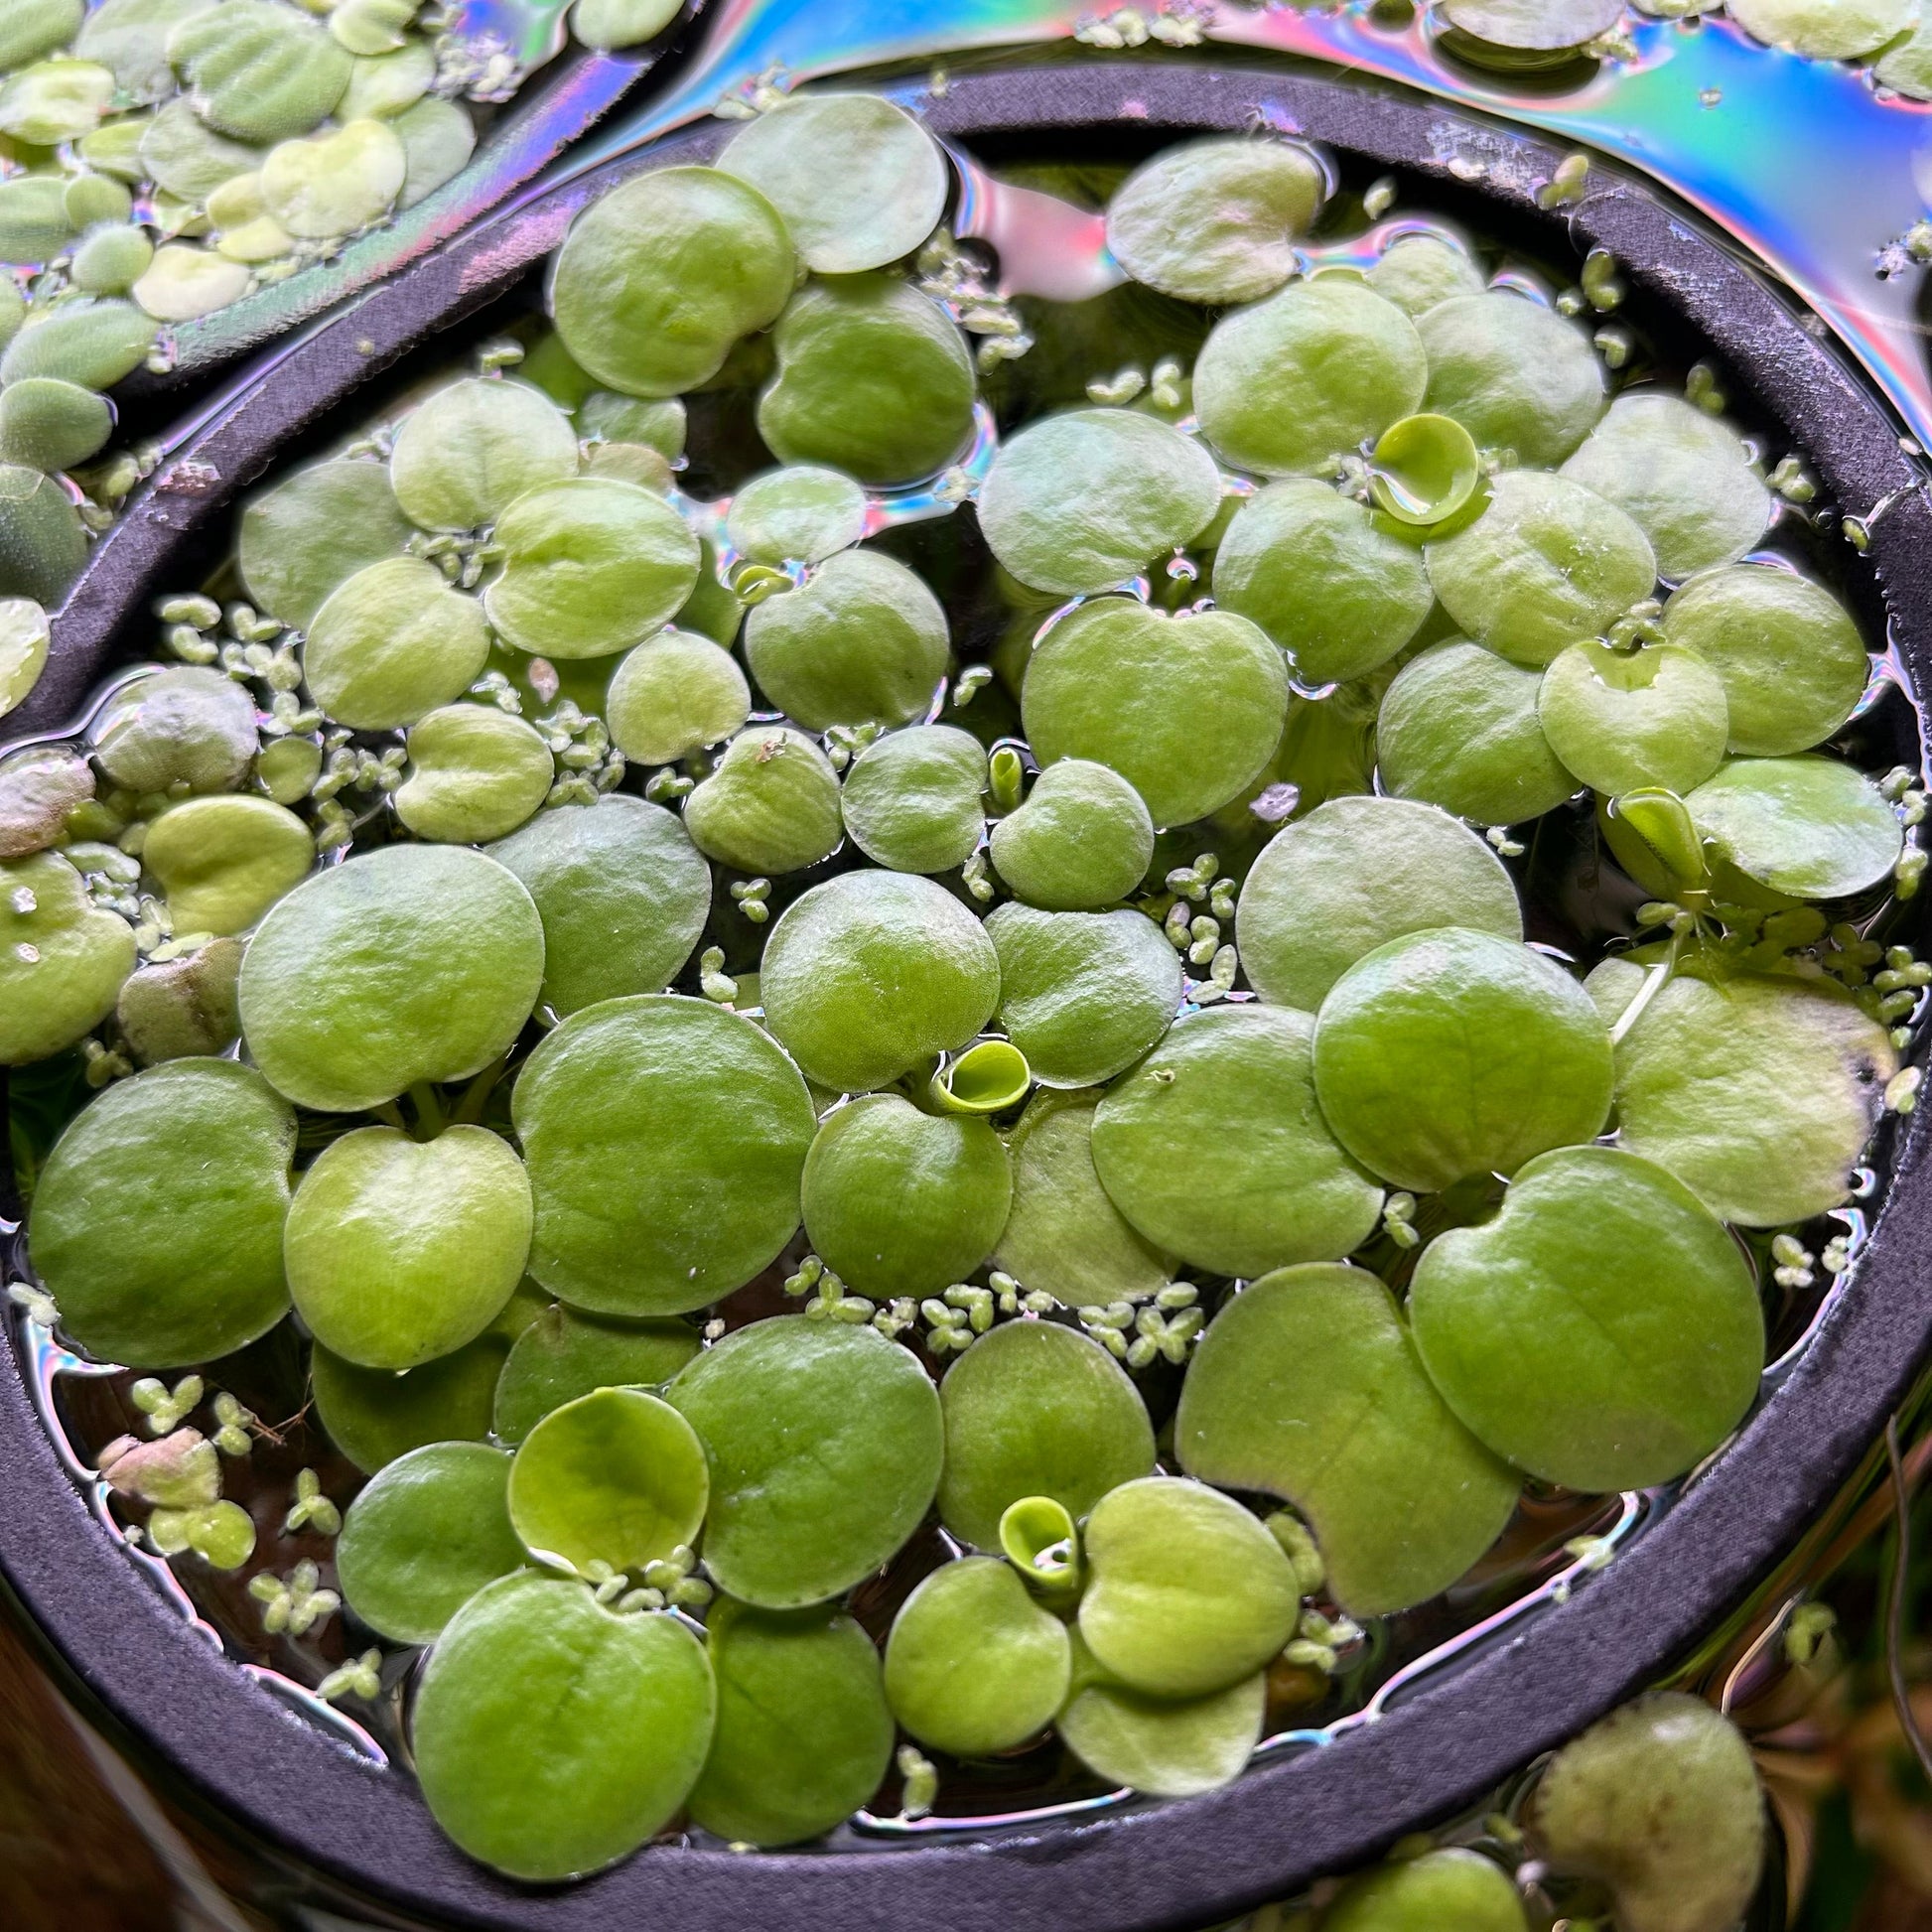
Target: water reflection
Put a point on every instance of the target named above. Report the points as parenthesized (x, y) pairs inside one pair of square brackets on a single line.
[(1804, 164)]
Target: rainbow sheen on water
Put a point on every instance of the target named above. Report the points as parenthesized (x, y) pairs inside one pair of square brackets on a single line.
[(1771, 148)]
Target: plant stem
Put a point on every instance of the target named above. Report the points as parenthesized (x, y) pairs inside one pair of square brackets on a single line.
[(475, 1096), (429, 1110)]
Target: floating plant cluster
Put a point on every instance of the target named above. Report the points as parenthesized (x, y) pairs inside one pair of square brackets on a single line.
[(161, 159), (1528, 35), (1096, 915)]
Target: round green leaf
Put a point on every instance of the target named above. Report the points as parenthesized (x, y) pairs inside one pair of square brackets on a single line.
[(1451, 1886), (803, 1735), (1792, 661), (1188, 709), (824, 1441), (861, 642), (622, 894), (1808, 827), (184, 283), (336, 182), (306, 536), (392, 643), (770, 804), (1080, 502), (614, 1477), (1083, 995), (1082, 838), (656, 281), (672, 696), (858, 180), (384, 85), (1513, 34), (182, 725), (1063, 1236), (1189, 1592), (178, 1008), (607, 24), (474, 774), (973, 1665), (1602, 1333), (40, 784), (224, 862), (631, 463), (1515, 374), (1453, 1052), (187, 158), (1548, 562), (438, 139), (798, 516), (873, 379), (1307, 1386), (900, 1203), (1419, 269), (23, 640), (913, 800), (1354, 874), (1312, 372), (872, 973), (405, 964), (1215, 1150), (659, 423), (553, 1737), (1167, 1748), (1845, 31), (1623, 721), (43, 543), (1215, 220), (590, 566), (1034, 1409), (374, 1415), (1660, 1802), (156, 1221), (425, 1537), (398, 1250), (1459, 729), (1758, 1093), (1905, 66), (665, 1138), (1333, 585), (467, 452), (562, 1355), (1682, 475), (62, 959), (97, 200), (222, 1534)]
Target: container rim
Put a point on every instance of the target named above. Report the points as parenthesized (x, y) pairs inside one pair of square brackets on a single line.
[(206, 1725)]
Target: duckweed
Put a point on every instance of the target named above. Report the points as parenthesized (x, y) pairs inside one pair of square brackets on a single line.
[(1258, 197), (842, 1093), (187, 156)]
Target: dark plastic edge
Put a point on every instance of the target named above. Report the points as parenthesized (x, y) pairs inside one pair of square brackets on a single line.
[(1288, 1821)]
